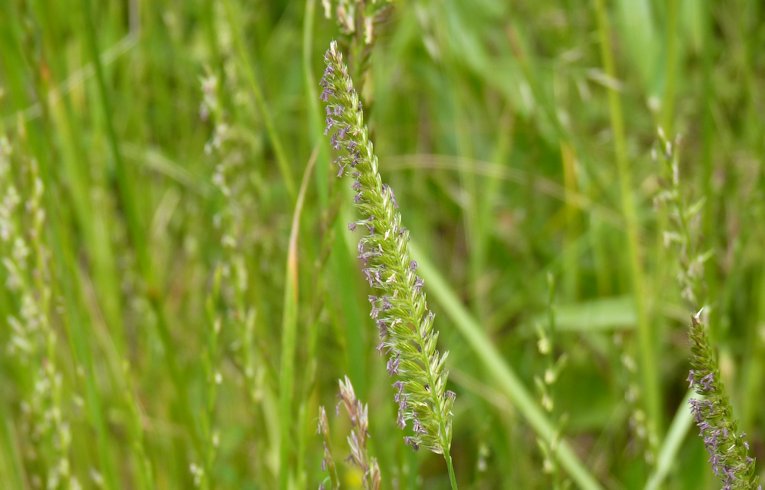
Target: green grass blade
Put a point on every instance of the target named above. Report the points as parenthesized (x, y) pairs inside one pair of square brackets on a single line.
[(287, 420)]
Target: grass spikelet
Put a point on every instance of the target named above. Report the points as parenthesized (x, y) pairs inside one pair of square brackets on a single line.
[(327, 461), (399, 308), (357, 16), (357, 440)]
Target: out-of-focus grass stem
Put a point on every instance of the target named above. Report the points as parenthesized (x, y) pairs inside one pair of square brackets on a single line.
[(289, 335), (670, 70), (651, 389), (312, 100)]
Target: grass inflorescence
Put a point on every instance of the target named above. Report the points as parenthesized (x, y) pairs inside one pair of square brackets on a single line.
[(400, 309), (358, 439), (727, 447)]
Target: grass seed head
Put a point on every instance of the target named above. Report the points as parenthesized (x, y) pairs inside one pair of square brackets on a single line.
[(399, 306)]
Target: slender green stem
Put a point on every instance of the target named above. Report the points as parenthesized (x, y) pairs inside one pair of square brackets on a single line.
[(289, 335), (651, 392), (450, 466), (670, 82)]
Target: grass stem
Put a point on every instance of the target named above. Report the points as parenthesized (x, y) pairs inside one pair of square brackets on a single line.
[(289, 334), (647, 348)]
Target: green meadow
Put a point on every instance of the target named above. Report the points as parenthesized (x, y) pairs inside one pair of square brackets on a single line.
[(184, 285)]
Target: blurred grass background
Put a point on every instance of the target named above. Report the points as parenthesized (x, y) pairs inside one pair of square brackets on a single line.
[(517, 137)]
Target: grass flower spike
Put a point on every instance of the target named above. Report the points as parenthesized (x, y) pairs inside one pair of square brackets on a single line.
[(728, 450), (357, 440), (399, 307)]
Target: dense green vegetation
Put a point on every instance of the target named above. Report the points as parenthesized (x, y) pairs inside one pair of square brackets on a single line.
[(182, 292)]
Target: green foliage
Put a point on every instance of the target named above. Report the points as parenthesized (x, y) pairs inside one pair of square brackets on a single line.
[(177, 306)]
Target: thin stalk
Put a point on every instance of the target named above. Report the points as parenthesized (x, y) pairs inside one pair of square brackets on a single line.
[(670, 83), (11, 466), (571, 251), (651, 393), (289, 334), (309, 390), (450, 467)]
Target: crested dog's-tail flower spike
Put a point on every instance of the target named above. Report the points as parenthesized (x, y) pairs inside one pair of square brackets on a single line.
[(728, 449), (398, 306)]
